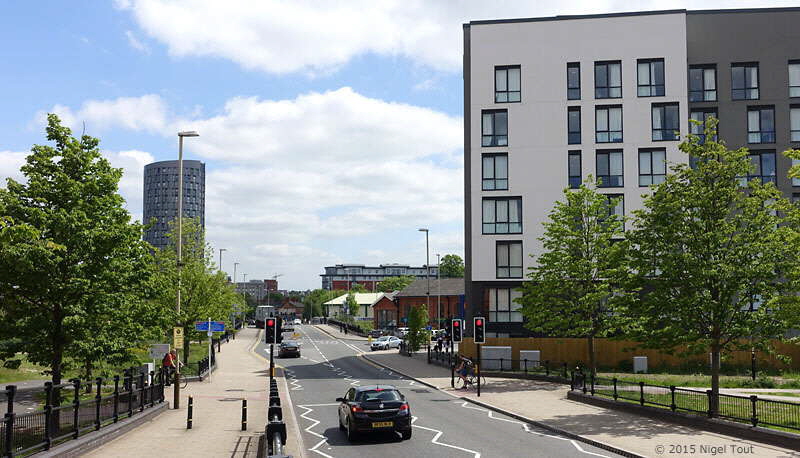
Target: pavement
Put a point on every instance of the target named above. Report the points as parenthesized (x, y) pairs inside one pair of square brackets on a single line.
[(546, 403), (217, 412)]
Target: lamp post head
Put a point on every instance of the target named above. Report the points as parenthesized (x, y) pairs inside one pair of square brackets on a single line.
[(422, 229), (188, 133)]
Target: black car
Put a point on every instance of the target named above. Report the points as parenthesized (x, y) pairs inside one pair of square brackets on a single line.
[(374, 408), (376, 333), (289, 348)]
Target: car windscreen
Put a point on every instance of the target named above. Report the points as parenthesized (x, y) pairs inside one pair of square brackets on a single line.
[(378, 395), (289, 343)]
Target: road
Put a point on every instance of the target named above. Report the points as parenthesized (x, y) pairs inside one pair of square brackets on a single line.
[(443, 425)]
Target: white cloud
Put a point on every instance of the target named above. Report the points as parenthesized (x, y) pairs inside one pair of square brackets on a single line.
[(147, 113), (10, 163), (131, 185), (136, 43)]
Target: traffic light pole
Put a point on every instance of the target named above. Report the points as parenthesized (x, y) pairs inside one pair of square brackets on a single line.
[(271, 362), (452, 356), (478, 366)]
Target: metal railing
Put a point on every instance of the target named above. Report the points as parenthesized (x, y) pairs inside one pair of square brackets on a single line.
[(741, 409), (69, 412), (275, 432)]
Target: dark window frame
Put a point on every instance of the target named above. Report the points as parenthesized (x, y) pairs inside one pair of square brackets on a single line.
[(761, 133), (507, 92), (769, 178), (793, 62), (494, 137), (651, 78), (570, 132), (663, 129), (705, 111), (611, 209), (494, 315), (791, 131), (746, 88), (508, 243), (704, 91), (608, 87), (570, 177), (494, 157), (571, 90), (651, 175), (508, 222), (608, 120), (606, 179)]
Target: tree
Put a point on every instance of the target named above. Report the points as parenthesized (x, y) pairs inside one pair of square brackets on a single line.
[(713, 266), (358, 288), (395, 283), (205, 291), (451, 265), (350, 307), (76, 274), (417, 320), (567, 291), (313, 301)]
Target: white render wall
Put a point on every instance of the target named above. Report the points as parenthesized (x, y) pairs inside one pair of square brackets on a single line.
[(537, 127)]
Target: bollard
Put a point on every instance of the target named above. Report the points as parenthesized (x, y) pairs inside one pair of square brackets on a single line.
[(189, 414), (244, 414)]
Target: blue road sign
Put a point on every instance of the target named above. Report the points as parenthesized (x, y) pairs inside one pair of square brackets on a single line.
[(216, 326)]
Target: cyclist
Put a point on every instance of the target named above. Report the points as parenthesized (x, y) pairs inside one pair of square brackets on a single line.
[(465, 368)]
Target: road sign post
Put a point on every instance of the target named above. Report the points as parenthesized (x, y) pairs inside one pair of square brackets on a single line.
[(177, 343)]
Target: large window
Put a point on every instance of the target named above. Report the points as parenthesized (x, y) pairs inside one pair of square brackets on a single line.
[(573, 81), (666, 121), (608, 80), (574, 169), (495, 128), (502, 305), (608, 123), (763, 167), (609, 169), (702, 83), (573, 125), (795, 181), (744, 81), (495, 172), (701, 115), (652, 166), (794, 78), (650, 77), (617, 210), (761, 124), (507, 84), (509, 259), (794, 120), (502, 215)]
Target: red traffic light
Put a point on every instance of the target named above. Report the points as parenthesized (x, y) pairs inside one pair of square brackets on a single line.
[(456, 324), (479, 322), (270, 323)]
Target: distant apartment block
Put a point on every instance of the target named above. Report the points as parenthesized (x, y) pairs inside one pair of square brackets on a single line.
[(257, 289), (550, 101), (161, 197), (343, 276)]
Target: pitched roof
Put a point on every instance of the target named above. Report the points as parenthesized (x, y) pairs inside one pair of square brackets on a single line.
[(361, 299), (444, 287)]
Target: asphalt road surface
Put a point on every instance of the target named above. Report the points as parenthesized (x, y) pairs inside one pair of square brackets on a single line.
[(443, 426)]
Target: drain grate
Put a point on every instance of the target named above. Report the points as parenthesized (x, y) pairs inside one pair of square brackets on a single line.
[(235, 389), (420, 390), (229, 399)]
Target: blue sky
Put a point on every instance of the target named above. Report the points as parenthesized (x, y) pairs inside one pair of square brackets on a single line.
[(327, 139)]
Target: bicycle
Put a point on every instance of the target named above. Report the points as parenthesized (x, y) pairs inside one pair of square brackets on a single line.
[(472, 380)]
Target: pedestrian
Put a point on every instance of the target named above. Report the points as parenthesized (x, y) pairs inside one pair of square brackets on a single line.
[(439, 342)]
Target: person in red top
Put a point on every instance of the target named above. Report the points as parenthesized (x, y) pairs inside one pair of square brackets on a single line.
[(170, 362)]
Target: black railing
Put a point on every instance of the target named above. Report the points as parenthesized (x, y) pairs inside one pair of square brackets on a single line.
[(524, 368), (275, 431), (351, 328), (741, 409), (69, 411)]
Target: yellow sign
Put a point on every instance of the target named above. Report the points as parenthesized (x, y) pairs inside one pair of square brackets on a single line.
[(177, 338)]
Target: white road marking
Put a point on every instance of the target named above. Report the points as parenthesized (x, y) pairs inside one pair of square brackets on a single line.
[(308, 430), (438, 434), (584, 451)]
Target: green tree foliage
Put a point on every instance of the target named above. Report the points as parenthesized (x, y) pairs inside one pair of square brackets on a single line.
[(566, 294), (313, 301), (75, 272), (358, 288), (451, 265), (713, 266), (395, 283), (205, 291), (417, 320), (350, 307)]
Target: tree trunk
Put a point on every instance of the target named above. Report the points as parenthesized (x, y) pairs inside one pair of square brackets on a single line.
[(715, 356), (592, 356), (185, 346)]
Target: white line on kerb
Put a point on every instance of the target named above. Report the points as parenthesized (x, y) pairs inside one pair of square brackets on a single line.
[(438, 434)]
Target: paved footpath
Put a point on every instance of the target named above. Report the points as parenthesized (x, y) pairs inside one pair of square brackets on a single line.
[(547, 403), (216, 430)]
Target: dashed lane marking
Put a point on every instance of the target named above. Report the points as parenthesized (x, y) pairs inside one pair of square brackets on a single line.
[(314, 423)]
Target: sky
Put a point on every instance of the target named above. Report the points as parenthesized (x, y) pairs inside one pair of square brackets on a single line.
[(331, 131)]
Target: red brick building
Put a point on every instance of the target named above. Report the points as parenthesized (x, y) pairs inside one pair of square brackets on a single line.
[(385, 312), (447, 292)]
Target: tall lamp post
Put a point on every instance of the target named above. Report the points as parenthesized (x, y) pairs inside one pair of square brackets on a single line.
[(177, 391), (438, 294), (427, 269)]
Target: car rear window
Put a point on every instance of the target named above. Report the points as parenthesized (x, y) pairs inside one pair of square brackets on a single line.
[(378, 395)]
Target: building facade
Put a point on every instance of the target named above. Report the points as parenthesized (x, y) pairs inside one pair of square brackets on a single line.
[(343, 276), (549, 102), (161, 197), (446, 300), (257, 289)]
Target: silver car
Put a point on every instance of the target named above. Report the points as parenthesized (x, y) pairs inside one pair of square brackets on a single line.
[(385, 343)]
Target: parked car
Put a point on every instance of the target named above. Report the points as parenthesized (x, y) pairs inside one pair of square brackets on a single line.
[(435, 333), (375, 333), (385, 343), (298, 321), (374, 408), (401, 332), (289, 348)]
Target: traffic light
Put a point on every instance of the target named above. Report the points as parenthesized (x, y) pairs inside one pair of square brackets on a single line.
[(480, 329), (457, 331), (270, 330), (279, 330)]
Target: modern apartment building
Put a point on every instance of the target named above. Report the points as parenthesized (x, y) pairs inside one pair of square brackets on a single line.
[(161, 197), (343, 276), (550, 101), (258, 289)]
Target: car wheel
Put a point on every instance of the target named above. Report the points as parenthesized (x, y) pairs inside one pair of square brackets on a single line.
[(351, 434), (406, 434)]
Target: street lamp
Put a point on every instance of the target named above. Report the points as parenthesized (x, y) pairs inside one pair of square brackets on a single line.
[(220, 258), (427, 269), (438, 294), (177, 393)]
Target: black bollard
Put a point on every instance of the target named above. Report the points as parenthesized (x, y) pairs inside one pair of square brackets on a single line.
[(189, 414), (244, 414)]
